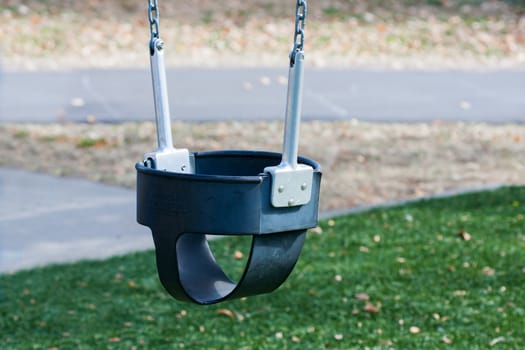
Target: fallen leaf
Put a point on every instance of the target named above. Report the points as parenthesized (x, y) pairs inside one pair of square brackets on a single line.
[(414, 330), (488, 271), (318, 230), (381, 27), (338, 337), (238, 255), (362, 296), (446, 340), (91, 119), (279, 335), (114, 340), (364, 249), (460, 293), (296, 339), (370, 308), (338, 278), (386, 342), (202, 329), (465, 105), (464, 235), (225, 312), (132, 284), (265, 81), (496, 341), (377, 238), (401, 260)]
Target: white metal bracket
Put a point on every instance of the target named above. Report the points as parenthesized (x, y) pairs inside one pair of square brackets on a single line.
[(291, 187)]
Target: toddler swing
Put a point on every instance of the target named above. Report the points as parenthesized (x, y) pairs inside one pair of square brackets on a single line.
[(183, 196)]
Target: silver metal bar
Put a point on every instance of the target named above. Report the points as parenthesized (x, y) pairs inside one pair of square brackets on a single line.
[(167, 157), (160, 94), (292, 182), (293, 112)]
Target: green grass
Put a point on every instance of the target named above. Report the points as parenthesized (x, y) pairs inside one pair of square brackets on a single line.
[(409, 260)]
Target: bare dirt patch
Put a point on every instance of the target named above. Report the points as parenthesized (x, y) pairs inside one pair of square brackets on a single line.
[(362, 163)]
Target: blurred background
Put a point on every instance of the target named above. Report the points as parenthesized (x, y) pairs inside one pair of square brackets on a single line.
[(387, 33), (403, 99)]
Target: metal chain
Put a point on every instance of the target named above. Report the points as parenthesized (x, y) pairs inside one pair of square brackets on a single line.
[(300, 20), (153, 16)]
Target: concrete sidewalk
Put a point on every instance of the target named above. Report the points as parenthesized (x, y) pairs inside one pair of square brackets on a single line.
[(45, 219), (260, 94)]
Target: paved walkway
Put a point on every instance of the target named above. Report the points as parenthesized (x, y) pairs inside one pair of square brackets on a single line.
[(259, 94), (45, 219)]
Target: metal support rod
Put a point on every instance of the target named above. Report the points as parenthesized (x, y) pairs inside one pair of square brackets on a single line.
[(293, 112), (160, 95)]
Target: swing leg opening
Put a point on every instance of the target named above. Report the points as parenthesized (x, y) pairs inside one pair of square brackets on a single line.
[(188, 269)]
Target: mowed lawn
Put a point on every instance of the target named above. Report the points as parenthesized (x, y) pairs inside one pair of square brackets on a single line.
[(438, 274)]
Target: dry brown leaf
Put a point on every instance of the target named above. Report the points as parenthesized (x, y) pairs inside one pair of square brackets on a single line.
[(296, 339), (318, 230), (114, 340), (464, 235), (414, 330), (225, 312), (132, 284), (371, 308), (460, 293), (362, 296), (488, 271), (446, 340), (496, 341)]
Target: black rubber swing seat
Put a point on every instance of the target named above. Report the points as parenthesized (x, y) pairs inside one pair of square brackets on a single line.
[(229, 194)]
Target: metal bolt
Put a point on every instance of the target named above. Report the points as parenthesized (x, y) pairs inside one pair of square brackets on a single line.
[(291, 202), (281, 189), (304, 186), (183, 168), (160, 44)]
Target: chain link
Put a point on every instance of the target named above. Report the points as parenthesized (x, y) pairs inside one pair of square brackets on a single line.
[(153, 16), (300, 20)]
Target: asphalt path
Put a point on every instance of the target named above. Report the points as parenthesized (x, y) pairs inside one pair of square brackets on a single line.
[(115, 96)]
